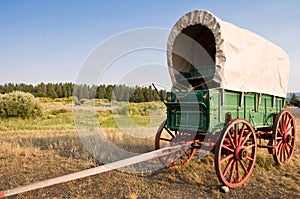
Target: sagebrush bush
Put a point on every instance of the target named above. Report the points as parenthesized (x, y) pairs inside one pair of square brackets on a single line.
[(19, 104)]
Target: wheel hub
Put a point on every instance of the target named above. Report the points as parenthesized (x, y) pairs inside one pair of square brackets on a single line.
[(240, 153), (287, 138)]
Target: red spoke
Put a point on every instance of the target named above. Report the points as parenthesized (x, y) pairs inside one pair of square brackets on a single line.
[(242, 134), (226, 158), (171, 134), (236, 131), (227, 148), (250, 146), (278, 145), (283, 152), (280, 129), (249, 158), (283, 121), (280, 153), (244, 168), (279, 132), (289, 129), (246, 138), (231, 141), (165, 139), (279, 150), (287, 151), (228, 166), (231, 172), (279, 138), (291, 147), (287, 121), (237, 171)]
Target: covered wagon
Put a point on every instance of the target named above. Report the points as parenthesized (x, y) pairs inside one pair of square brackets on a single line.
[(228, 97)]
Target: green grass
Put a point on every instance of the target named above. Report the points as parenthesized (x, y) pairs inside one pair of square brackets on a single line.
[(58, 115), (46, 122), (129, 121)]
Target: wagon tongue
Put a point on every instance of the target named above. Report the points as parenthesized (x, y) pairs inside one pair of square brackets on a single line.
[(93, 171)]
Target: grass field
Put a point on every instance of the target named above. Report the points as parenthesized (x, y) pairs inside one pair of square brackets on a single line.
[(37, 149)]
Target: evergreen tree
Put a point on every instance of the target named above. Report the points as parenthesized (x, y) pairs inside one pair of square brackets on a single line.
[(68, 89), (59, 90), (109, 93), (8, 88), (51, 91), (294, 99), (93, 91), (41, 90), (101, 92)]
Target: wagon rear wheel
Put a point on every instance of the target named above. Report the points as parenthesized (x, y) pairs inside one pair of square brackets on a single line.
[(235, 153), (165, 138), (284, 136)]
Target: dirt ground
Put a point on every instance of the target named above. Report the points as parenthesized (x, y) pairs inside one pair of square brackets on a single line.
[(295, 111)]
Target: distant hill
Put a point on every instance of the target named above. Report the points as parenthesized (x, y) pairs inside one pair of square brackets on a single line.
[(289, 95)]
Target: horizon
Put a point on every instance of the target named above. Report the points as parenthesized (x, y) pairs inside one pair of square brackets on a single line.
[(49, 41), (107, 84)]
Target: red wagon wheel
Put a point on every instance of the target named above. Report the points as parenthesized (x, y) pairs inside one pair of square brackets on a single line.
[(165, 137), (235, 153), (284, 136)]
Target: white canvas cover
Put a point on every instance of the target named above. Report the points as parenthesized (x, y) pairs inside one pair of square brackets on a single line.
[(243, 60)]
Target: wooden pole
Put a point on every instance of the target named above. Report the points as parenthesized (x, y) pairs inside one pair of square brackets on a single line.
[(92, 171)]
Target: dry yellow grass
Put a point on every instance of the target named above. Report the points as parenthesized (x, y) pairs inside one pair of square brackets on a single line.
[(31, 156)]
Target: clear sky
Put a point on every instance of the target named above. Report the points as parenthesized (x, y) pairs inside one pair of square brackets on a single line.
[(47, 41)]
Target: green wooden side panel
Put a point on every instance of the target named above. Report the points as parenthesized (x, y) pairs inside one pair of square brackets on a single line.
[(188, 111), (210, 110)]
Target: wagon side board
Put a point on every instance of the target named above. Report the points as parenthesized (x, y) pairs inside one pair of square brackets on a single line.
[(210, 110), (257, 108)]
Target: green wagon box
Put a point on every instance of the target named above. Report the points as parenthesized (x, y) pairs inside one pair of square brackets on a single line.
[(210, 110)]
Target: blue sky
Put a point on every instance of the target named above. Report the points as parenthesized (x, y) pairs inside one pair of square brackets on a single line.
[(47, 41)]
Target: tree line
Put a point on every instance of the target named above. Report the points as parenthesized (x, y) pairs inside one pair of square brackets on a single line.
[(84, 91), (294, 99)]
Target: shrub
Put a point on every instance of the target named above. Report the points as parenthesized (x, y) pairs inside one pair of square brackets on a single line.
[(133, 110), (19, 104)]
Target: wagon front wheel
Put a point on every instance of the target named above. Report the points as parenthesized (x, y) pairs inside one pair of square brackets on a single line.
[(235, 153), (284, 136), (165, 138)]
